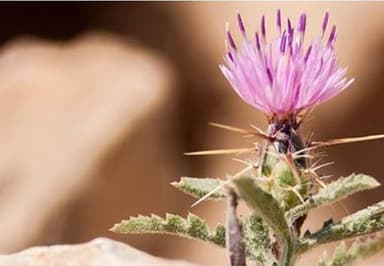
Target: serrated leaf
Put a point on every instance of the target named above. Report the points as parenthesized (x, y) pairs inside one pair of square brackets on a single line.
[(363, 222), (359, 250), (199, 187), (269, 210), (337, 190), (193, 227)]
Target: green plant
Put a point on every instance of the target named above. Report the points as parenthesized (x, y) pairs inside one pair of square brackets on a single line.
[(280, 182)]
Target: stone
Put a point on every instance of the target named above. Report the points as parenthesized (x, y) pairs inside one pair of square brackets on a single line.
[(98, 252), (64, 108)]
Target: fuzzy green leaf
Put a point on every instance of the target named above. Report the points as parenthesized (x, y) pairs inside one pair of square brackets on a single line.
[(269, 210), (359, 250), (363, 222), (193, 227), (263, 203), (199, 187), (335, 191), (257, 240)]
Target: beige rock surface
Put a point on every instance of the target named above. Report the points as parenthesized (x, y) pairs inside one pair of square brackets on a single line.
[(63, 108), (98, 252)]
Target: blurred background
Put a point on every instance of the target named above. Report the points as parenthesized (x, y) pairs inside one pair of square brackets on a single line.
[(98, 102)]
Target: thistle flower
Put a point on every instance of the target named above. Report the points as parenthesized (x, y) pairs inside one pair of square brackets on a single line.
[(283, 77)]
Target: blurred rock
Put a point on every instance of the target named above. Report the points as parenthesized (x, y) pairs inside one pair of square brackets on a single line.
[(64, 107), (98, 252)]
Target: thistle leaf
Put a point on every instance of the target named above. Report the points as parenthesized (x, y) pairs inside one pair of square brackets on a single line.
[(269, 210), (263, 203), (335, 191), (344, 256), (363, 222), (193, 227), (199, 187), (257, 240)]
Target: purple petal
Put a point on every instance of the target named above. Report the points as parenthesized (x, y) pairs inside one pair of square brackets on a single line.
[(290, 29), (241, 24), (332, 35), (257, 41), (269, 73), (231, 41), (290, 32), (302, 23), (325, 22), (263, 26), (307, 53), (278, 19), (283, 42), (230, 56)]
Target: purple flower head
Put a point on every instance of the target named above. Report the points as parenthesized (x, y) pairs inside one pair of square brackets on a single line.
[(283, 77)]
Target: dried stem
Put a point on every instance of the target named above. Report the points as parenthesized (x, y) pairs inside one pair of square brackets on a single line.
[(234, 237)]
